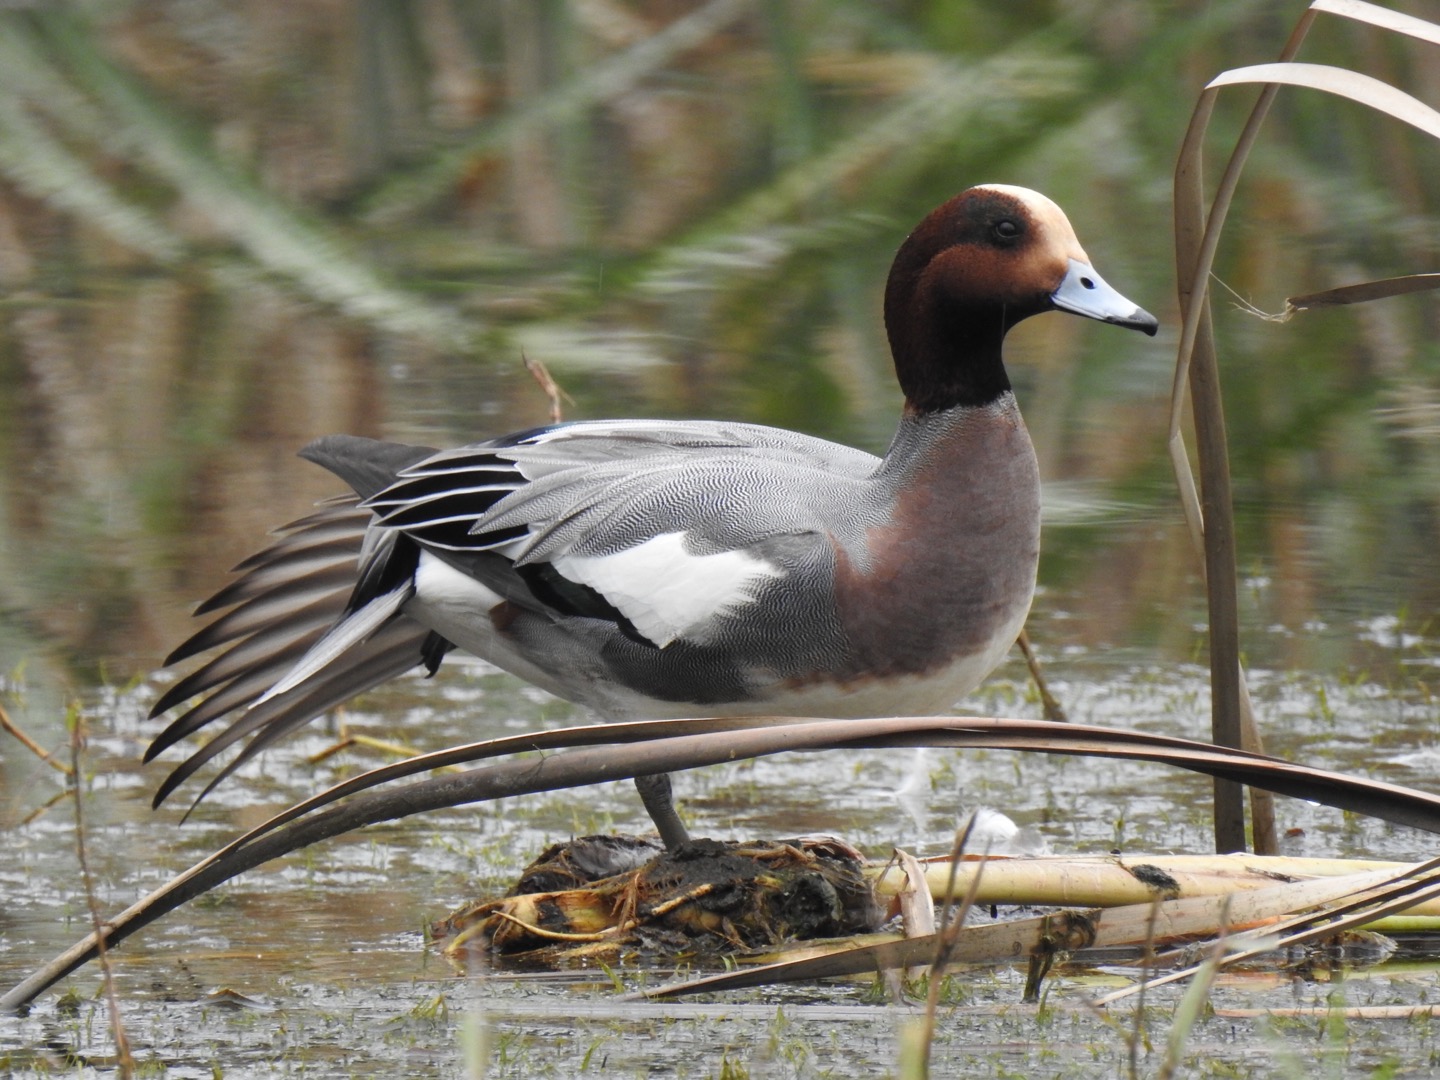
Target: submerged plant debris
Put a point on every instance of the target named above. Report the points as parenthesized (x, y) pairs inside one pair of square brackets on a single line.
[(602, 896)]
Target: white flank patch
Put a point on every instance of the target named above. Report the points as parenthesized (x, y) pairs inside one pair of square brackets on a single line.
[(666, 591), (455, 604)]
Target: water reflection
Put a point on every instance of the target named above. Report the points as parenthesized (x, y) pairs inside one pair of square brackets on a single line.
[(140, 464), (153, 403)]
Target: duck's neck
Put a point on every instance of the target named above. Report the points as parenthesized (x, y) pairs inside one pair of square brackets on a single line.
[(960, 367), (946, 353)]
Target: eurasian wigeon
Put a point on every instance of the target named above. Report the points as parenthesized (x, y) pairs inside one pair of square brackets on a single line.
[(652, 569)]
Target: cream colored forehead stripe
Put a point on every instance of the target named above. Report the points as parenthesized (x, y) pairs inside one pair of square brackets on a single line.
[(1048, 216)]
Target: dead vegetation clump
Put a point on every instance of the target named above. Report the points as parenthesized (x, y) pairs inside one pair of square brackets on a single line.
[(604, 895)]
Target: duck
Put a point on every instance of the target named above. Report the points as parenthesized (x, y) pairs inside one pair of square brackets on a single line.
[(650, 569)]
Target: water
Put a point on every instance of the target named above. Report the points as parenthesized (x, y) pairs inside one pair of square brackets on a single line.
[(709, 239), (318, 965)]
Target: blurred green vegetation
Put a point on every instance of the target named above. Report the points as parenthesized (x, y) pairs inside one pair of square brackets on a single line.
[(228, 228)]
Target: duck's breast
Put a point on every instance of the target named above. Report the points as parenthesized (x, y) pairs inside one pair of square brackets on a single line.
[(941, 589)]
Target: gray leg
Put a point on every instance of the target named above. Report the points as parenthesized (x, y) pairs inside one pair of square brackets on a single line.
[(655, 794)]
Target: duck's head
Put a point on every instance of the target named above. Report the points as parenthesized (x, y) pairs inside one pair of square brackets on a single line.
[(976, 266)]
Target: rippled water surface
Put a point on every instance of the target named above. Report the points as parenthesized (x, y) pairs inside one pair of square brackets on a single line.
[(318, 964)]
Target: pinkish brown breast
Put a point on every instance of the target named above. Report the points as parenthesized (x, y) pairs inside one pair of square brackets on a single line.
[(952, 572)]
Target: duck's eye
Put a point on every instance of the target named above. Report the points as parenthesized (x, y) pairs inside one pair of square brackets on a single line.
[(1006, 229)]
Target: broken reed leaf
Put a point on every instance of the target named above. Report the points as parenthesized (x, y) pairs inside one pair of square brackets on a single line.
[(1384, 18), (1342, 82), (1133, 924), (1196, 234), (1362, 292), (917, 906)]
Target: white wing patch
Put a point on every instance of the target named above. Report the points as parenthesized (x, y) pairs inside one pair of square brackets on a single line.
[(666, 591)]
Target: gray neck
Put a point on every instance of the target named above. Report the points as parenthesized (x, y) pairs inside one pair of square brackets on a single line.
[(923, 438)]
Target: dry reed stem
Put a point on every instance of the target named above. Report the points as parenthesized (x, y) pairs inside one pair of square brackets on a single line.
[(1197, 236), (1053, 710), (48, 805), (47, 756), (125, 1062), (553, 391), (1115, 881), (370, 742)]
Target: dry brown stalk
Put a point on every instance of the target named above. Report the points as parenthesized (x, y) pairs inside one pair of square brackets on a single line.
[(1052, 708), (48, 805), (124, 1060), (347, 740), (552, 389), (30, 744)]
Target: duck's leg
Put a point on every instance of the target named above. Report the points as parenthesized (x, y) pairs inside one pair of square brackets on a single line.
[(655, 794)]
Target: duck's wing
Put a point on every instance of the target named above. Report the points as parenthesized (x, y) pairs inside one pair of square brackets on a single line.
[(661, 527), (593, 488)]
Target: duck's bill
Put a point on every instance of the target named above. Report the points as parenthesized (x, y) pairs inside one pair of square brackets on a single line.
[(1084, 292)]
